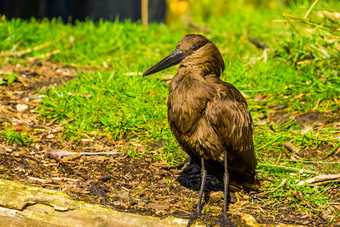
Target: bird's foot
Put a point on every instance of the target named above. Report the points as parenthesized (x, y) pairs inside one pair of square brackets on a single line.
[(195, 216), (223, 220)]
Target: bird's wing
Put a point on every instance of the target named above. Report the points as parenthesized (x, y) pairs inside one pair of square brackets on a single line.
[(229, 115)]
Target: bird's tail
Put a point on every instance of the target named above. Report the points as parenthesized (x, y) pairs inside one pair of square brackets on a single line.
[(246, 179)]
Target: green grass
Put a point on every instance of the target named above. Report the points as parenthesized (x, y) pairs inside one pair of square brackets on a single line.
[(133, 108), (113, 103), (15, 137)]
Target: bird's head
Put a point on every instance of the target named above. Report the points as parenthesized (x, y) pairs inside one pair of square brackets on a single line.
[(192, 51)]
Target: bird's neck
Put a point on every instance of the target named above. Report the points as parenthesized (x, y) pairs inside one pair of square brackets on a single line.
[(187, 77)]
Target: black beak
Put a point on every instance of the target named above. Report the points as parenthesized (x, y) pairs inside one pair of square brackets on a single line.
[(173, 58)]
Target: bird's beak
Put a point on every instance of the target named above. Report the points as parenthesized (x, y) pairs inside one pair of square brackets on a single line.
[(173, 58)]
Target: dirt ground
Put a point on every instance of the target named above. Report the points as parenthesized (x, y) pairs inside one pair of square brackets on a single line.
[(101, 172)]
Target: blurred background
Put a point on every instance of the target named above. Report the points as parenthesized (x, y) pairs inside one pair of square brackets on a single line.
[(71, 10), (169, 11)]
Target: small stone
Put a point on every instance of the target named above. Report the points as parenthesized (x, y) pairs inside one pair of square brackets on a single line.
[(22, 107), (306, 129), (71, 40), (58, 129), (50, 136), (249, 220), (9, 149), (121, 198)]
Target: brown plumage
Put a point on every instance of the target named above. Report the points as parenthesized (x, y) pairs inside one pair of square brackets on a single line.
[(209, 117)]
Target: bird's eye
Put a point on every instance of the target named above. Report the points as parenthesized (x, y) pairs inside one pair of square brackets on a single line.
[(194, 47)]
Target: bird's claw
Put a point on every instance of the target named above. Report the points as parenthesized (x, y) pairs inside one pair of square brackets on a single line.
[(195, 216), (223, 220)]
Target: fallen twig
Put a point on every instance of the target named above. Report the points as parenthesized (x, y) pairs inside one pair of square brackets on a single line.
[(305, 161), (258, 43), (291, 147), (62, 153), (64, 179), (321, 180), (293, 169), (39, 180), (310, 9), (273, 190)]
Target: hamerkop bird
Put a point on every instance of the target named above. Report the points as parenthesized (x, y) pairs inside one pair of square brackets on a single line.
[(209, 118)]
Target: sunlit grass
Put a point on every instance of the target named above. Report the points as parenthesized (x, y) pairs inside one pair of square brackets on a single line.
[(12, 136)]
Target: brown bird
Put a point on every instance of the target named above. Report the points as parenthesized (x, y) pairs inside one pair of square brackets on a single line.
[(209, 118)]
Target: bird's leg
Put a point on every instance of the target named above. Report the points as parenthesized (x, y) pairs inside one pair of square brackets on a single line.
[(198, 213), (223, 218)]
